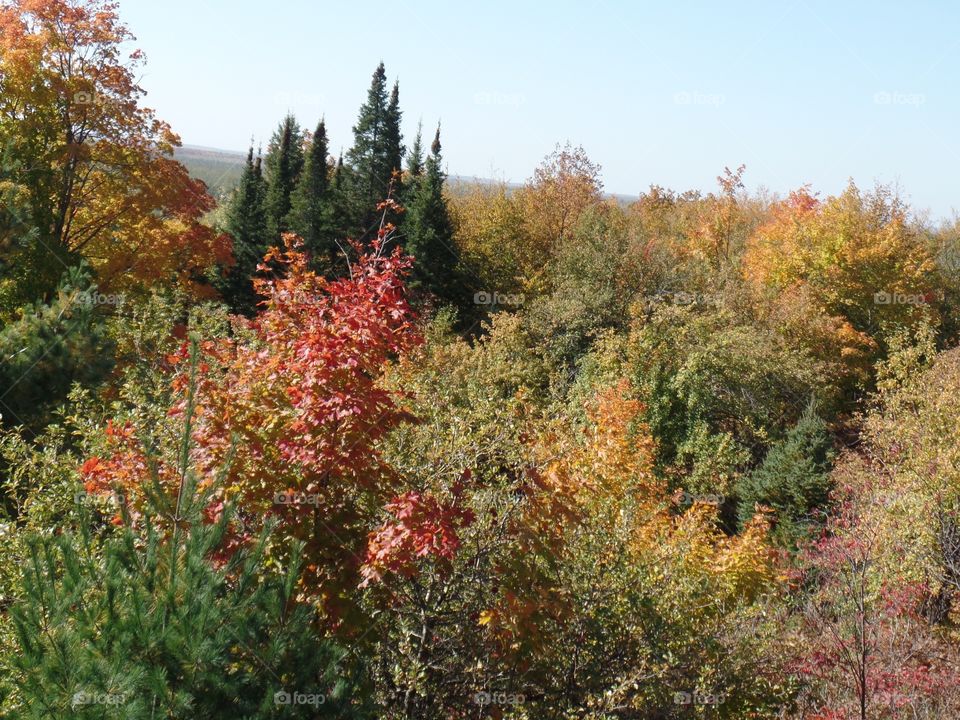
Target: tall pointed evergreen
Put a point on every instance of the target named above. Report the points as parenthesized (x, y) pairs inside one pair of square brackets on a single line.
[(429, 233), (414, 170), (376, 152), (394, 138), (247, 225), (310, 205), (284, 164)]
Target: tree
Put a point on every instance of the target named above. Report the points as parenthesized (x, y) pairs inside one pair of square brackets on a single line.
[(311, 213), (428, 231), (97, 169), (794, 479), (247, 225), (166, 618), (282, 168), (394, 137), (51, 346), (375, 154), (565, 184)]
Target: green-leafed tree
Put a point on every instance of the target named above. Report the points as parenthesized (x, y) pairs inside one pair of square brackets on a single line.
[(283, 165), (247, 225), (429, 233), (311, 212), (793, 480)]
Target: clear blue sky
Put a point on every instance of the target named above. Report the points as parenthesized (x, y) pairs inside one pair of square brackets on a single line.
[(667, 92)]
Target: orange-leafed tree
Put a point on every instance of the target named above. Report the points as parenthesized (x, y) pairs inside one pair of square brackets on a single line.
[(96, 168)]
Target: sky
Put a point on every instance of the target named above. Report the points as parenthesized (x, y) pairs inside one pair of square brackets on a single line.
[(665, 93)]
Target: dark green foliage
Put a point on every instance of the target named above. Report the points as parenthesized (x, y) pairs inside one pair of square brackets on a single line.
[(428, 234), (311, 212), (394, 138), (50, 347), (283, 165), (247, 225), (30, 263), (165, 621), (376, 153), (794, 478)]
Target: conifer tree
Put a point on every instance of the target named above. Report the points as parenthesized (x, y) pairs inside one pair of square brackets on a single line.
[(394, 137), (429, 233), (414, 170), (51, 346), (247, 225), (793, 480), (377, 151), (284, 163), (311, 207)]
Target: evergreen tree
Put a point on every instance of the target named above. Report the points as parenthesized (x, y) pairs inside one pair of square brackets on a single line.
[(284, 163), (414, 171), (247, 225), (311, 211), (377, 151), (429, 233), (794, 478), (394, 138), (51, 346), (161, 620)]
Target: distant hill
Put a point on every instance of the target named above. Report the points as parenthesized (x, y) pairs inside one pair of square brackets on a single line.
[(221, 169)]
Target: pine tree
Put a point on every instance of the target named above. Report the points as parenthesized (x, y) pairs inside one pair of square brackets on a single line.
[(793, 480), (284, 163), (429, 233), (311, 204), (247, 225), (377, 151), (161, 620)]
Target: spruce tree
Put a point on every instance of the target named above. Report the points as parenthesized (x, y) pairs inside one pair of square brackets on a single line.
[(429, 233), (394, 138), (311, 206), (414, 170), (284, 163), (793, 479), (247, 225), (377, 151)]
